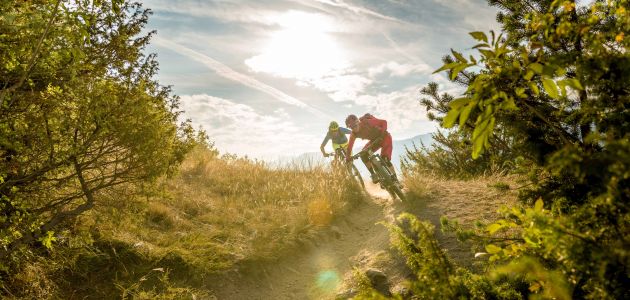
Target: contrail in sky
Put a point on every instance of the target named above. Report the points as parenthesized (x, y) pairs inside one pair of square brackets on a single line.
[(398, 49), (229, 73), (357, 9)]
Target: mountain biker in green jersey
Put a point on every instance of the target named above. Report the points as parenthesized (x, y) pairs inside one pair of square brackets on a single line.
[(338, 136)]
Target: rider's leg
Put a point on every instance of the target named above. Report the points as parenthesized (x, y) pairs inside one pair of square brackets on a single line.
[(368, 164), (338, 158), (386, 153), (390, 166)]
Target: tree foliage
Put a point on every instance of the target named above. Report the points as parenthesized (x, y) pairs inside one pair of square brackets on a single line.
[(82, 118), (554, 85)]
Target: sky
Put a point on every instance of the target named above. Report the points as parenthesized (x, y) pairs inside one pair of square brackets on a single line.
[(265, 78)]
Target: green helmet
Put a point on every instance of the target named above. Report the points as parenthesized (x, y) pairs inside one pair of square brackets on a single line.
[(333, 126)]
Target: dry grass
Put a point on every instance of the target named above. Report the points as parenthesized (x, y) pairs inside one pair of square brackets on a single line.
[(210, 216), (466, 201)]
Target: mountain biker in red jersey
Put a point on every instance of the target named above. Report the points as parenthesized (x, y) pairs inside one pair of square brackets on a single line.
[(371, 128)]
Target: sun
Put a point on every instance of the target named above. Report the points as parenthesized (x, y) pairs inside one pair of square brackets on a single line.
[(303, 48)]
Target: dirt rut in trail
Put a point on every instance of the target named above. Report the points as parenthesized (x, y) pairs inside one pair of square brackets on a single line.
[(317, 270)]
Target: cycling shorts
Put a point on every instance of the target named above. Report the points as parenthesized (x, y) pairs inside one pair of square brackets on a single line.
[(336, 146)]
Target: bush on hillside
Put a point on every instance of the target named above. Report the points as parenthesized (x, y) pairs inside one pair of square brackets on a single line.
[(554, 84), (83, 123)]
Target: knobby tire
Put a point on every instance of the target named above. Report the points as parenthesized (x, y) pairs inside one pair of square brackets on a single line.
[(392, 188), (354, 172)]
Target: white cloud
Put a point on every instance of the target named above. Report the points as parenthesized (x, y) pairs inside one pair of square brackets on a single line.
[(342, 87), (447, 86), (238, 128), (396, 69), (401, 109), (229, 73), (483, 19)]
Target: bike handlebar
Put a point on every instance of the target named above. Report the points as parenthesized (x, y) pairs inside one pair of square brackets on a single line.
[(367, 149)]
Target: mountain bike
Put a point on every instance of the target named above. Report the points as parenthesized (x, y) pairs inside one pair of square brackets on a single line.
[(385, 177), (349, 168)]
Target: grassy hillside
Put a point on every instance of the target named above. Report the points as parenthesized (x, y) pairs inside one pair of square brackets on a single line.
[(214, 214)]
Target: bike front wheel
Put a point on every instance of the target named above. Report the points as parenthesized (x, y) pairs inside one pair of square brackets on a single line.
[(356, 176), (390, 185), (397, 191)]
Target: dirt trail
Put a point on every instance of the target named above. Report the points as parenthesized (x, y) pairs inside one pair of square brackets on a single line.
[(317, 271)]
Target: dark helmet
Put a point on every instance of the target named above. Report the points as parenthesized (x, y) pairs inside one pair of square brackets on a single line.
[(333, 126), (351, 121)]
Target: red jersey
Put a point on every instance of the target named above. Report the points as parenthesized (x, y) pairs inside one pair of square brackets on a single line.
[(369, 129)]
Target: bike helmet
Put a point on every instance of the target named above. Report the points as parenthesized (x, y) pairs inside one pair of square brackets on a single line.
[(333, 126), (351, 121)]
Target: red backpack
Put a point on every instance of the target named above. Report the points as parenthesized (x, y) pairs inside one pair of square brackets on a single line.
[(367, 116)]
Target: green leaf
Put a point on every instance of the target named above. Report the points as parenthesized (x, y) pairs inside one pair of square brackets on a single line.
[(536, 67), (459, 102), (534, 87), (538, 206), (562, 84), (48, 239), (480, 36), (446, 67), (528, 75), (509, 104), (516, 64), (550, 87), (457, 70), (492, 228), (560, 72), (459, 56), (450, 118), (493, 249), (463, 117), (482, 132), (574, 83), (487, 53), (479, 127), (481, 45), (116, 7)]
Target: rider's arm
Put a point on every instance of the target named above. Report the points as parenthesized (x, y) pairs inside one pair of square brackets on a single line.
[(321, 147), (350, 144), (345, 130)]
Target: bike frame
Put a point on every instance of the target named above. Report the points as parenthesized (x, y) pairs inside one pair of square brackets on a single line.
[(383, 173), (351, 169)]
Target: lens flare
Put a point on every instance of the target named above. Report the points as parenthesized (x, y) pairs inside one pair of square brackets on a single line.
[(328, 281)]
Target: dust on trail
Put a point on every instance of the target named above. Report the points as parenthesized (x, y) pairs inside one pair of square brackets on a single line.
[(317, 271)]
